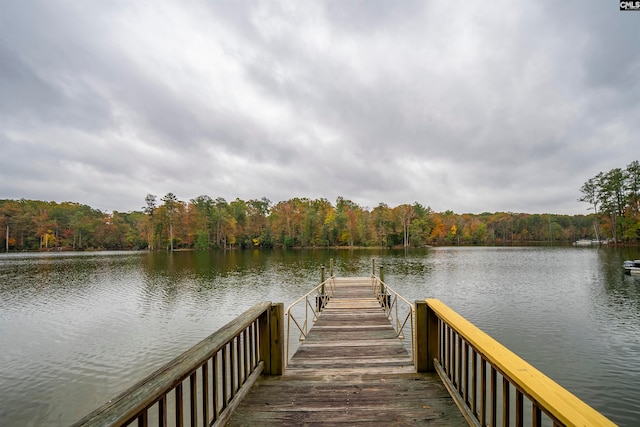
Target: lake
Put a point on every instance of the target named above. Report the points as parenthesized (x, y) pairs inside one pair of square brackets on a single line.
[(79, 328)]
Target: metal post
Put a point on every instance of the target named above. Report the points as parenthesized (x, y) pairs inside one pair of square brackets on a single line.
[(386, 298), (322, 296)]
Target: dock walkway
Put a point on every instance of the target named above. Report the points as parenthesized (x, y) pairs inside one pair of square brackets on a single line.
[(350, 370)]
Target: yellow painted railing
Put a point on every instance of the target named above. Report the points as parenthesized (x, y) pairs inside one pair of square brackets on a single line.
[(489, 382), (203, 386)]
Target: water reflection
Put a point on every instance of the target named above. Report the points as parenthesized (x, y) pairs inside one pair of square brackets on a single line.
[(77, 329)]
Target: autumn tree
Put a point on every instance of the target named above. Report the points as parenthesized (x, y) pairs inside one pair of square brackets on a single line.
[(238, 210), (256, 227), (404, 214)]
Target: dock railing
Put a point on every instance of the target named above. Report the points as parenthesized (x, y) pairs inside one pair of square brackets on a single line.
[(314, 302), (203, 386), (399, 310), (489, 382)]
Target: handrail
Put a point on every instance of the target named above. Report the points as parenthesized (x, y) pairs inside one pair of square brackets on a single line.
[(389, 299), (454, 347), (212, 376), (320, 301)]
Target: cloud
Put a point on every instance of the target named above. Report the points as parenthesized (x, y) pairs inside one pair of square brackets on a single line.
[(487, 107)]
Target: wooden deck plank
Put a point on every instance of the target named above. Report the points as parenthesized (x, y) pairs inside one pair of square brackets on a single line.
[(350, 370)]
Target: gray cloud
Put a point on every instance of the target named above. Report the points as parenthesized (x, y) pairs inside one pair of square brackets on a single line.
[(487, 107)]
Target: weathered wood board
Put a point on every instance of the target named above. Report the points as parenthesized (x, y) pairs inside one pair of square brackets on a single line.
[(351, 370)]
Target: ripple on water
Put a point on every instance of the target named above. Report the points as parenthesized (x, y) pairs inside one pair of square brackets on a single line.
[(83, 329)]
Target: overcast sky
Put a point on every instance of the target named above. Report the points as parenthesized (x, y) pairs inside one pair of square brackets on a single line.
[(464, 106)]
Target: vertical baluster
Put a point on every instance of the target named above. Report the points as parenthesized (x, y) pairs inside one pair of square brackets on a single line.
[(519, 409), (459, 358), (225, 376), (536, 416), (466, 373), (494, 397), (451, 350), (247, 355), (441, 343), (214, 386), (446, 349), (505, 402), (474, 381), (162, 411), (143, 419), (179, 406), (443, 346), (244, 357), (233, 365), (193, 396), (256, 343), (443, 361), (483, 391), (240, 357), (239, 360), (252, 347), (205, 394)]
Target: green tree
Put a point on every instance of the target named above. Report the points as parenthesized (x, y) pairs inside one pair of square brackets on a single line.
[(632, 185), (170, 208), (150, 209), (612, 197), (591, 194), (204, 207)]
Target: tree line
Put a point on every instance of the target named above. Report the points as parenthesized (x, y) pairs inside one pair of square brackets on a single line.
[(204, 223)]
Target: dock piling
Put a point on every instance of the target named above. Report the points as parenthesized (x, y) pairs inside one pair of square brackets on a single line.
[(426, 337), (272, 339)]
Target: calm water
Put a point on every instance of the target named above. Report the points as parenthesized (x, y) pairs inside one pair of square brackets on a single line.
[(77, 329)]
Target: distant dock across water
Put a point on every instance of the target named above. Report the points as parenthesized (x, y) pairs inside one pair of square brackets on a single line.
[(367, 357)]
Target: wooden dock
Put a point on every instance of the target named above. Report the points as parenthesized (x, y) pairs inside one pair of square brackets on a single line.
[(350, 370)]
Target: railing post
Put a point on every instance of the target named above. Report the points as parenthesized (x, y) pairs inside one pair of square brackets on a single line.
[(373, 266), (331, 267), (321, 299), (385, 297), (271, 324), (426, 337)]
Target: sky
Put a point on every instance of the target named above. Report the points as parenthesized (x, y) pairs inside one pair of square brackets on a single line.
[(471, 107)]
